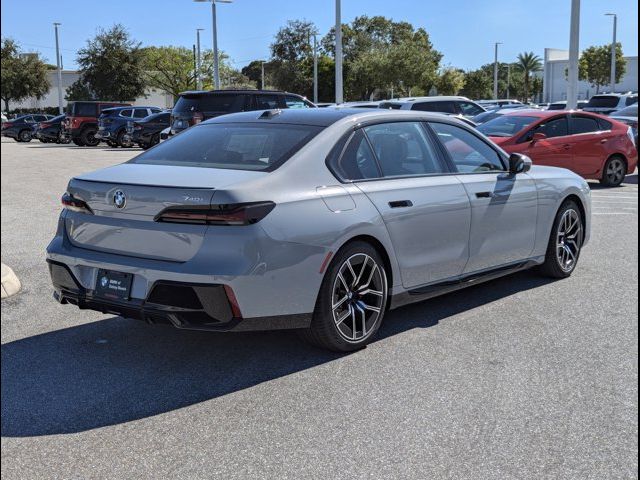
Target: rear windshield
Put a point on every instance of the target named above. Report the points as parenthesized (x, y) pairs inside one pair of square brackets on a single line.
[(505, 125), (57, 119), (209, 103), (606, 101), (234, 146), (157, 117), (80, 109), (557, 106)]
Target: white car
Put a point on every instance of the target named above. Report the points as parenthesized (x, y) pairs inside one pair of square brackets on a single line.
[(451, 105), (606, 103)]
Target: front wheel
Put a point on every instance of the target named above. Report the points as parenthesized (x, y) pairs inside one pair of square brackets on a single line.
[(614, 172), (352, 300), (565, 242), (88, 137)]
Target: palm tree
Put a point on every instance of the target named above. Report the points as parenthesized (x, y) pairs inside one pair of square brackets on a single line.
[(528, 62)]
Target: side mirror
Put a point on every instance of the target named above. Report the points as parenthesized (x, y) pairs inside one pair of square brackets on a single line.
[(538, 136), (519, 163)]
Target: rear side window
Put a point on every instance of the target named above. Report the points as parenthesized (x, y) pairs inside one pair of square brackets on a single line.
[(442, 107), (402, 149), (605, 125), (233, 146), (140, 113), (631, 100), (390, 105), (358, 161), (469, 153), (126, 112), (583, 125)]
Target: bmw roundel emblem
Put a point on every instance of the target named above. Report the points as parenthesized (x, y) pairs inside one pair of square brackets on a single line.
[(119, 200), (104, 281)]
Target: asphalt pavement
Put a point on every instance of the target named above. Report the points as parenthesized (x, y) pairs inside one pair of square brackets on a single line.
[(519, 378)]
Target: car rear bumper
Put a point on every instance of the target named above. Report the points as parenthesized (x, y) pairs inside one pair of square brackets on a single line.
[(189, 306), (10, 133)]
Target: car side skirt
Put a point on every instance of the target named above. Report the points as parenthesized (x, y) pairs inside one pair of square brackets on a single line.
[(426, 292)]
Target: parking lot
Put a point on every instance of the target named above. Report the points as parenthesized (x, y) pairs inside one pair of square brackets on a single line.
[(518, 378)]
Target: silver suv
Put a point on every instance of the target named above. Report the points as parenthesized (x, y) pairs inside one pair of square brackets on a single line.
[(610, 102)]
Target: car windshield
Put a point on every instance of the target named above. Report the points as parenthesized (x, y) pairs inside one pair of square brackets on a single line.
[(606, 101), (207, 103), (485, 117), (505, 125), (390, 105), (631, 111), (234, 146)]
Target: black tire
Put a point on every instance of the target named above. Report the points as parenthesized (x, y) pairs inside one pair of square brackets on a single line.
[(88, 137), (78, 142), (120, 139), (155, 139), (553, 266), (144, 146), (112, 144), (614, 171), (324, 331), (16, 139), (25, 135)]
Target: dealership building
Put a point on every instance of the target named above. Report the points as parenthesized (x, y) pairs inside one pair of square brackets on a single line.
[(153, 97), (555, 83)]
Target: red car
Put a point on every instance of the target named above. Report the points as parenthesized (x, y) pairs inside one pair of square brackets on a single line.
[(591, 145)]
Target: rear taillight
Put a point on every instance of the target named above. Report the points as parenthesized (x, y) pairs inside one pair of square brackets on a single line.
[(197, 118), (631, 135), (75, 204), (137, 126), (7, 125), (45, 125), (234, 214)]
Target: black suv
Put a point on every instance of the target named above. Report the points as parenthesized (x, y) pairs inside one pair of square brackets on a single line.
[(196, 106)]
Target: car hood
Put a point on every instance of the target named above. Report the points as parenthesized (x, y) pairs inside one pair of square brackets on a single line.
[(169, 175)]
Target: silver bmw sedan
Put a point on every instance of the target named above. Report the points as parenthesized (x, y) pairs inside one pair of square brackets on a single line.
[(319, 220)]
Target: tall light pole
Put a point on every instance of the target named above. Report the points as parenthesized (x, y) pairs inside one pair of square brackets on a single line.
[(262, 74), (574, 55), (338, 28), (198, 60), (315, 68), (216, 69), (508, 80), (613, 51), (495, 71), (59, 64)]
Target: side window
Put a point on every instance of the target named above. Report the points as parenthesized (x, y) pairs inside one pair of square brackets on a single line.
[(469, 109), (164, 118), (29, 119), (140, 113), (86, 110), (605, 125), (468, 152), (267, 102), (294, 102), (442, 107), (631, 100), (554, 128), (358, 161), (126, 113), (402, 148), (583, 125)]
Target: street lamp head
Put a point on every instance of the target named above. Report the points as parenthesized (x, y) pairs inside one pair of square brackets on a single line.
[(57, 24), (610, 15), (213, 1)]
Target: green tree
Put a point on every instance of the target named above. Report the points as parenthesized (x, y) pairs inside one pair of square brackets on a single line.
[(528, 63), (477, 84), (169, 69), (79, 90), (23, 75), (111, 65), (450, 81), (595, 65)]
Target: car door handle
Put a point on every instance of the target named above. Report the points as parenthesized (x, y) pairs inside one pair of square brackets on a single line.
[(485, 194), (566, 146), (401, 203), (604, 140)]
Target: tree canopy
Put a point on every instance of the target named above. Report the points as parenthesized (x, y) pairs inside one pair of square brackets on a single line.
[(23, 75), (595, 65)]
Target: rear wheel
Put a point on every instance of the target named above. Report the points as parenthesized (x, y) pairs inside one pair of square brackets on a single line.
[(25, 135), (352, 300), (121, 141), (88, 137), (565, 242), (614, 172), (78, 142)]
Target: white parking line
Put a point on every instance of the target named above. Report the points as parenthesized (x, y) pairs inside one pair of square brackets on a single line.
[(612, 213)]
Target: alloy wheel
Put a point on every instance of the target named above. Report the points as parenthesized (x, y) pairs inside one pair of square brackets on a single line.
[(358, 295), (569, 240), (615, 171)]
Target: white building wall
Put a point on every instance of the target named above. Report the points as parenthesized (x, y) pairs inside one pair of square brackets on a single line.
[(555, 81), (154, 97)]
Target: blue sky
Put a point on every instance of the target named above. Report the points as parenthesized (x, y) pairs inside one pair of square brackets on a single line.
[(463, 30)]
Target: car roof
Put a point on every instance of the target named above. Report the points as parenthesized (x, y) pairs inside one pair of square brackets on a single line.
[(545, 113), (442, 98), (323, 117), (228, 91)]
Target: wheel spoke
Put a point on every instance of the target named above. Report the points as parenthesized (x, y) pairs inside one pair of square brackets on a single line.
[(342, 280), (368, 291), (352, 272), (340, 302), (364, 266), (344, 315)]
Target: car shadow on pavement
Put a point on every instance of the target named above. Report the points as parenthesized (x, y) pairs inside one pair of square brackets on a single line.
[(117, 370)]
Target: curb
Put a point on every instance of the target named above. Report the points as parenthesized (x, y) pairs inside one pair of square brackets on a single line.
[(10, 283)]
